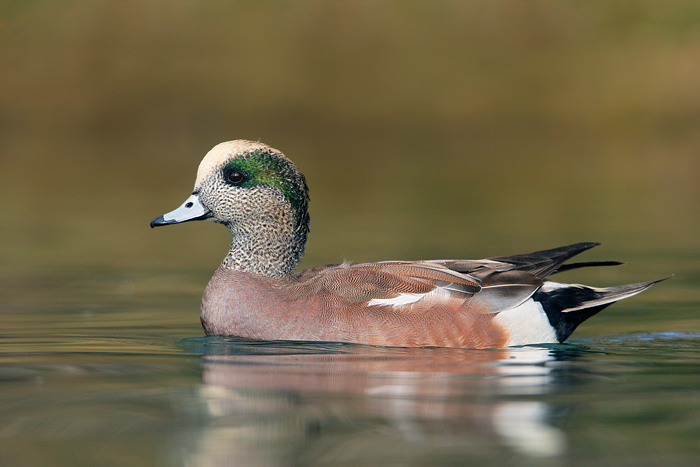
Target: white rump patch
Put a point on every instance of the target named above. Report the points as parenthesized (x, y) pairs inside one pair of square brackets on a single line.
[(527, 324)]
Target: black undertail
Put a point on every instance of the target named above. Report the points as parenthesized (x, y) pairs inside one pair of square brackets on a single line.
[(555, 302)]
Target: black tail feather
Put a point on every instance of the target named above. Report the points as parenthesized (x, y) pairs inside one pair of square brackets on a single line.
[(546, 262), (570, 266)]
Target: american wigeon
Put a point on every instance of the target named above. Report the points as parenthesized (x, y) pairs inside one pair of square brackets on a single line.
[(262, 198)]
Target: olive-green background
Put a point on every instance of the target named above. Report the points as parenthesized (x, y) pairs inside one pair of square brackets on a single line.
[(425, 129)]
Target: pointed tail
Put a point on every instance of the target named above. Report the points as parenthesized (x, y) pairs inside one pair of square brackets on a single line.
[(568, 305)]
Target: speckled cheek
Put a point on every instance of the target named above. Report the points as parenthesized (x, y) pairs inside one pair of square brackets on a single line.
[(210, 197)]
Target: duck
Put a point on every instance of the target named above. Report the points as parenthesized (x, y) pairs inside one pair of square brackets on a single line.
[(256, 292)]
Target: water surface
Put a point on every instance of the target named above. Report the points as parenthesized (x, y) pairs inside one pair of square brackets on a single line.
[(127, 380)]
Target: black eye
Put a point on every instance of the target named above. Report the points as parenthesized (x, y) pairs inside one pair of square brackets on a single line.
[(235, 177)]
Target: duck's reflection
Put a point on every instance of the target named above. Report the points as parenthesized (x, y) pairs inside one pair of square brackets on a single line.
[(303, 404)]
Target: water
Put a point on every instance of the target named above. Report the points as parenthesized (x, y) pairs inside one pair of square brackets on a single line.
[(425, 130), (103, 361), (104, 393), (123, 376)]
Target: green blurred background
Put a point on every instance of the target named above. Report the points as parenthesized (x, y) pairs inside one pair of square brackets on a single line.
[(425, 129)]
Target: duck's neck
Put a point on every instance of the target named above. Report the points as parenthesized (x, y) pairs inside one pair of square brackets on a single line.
[(269, 253)]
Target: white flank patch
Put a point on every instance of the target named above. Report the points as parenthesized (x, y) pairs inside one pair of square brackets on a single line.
[(527, 324)]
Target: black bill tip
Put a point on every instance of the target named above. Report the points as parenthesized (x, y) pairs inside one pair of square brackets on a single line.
[(158, 221), (161, 220)]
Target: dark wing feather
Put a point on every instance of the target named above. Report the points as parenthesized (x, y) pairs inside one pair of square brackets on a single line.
[(545, 262)]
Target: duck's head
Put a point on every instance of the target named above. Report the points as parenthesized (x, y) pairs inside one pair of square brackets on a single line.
[(260, 196)]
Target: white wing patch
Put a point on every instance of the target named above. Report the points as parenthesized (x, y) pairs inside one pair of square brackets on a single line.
[(438, 294), (400, 300)]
